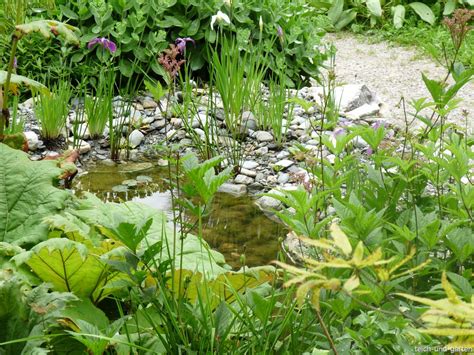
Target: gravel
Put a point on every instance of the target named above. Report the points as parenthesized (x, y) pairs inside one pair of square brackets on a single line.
[(392, 72)]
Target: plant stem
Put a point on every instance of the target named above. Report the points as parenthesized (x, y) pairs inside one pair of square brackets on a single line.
[(5, 114), (326, 332)]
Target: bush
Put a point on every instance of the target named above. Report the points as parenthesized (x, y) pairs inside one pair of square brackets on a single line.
[(143, 29)]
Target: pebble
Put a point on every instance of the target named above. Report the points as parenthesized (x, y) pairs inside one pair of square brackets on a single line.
[(263, 136)]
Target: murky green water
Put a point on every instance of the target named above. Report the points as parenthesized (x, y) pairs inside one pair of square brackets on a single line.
[(235, 225)]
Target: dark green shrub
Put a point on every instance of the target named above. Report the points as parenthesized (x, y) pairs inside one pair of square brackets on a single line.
[(143, 29)]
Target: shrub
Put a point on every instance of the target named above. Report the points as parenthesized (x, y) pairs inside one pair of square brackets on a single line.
[(143, 29)]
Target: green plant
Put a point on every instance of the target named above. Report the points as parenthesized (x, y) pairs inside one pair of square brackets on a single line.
[(27, 196), (133, 26), (99, 108), (51, 109)]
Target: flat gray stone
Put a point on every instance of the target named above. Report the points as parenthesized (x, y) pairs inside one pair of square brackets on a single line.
[(243, 179), (250, 164), (135, 138), (283, 164), (233, 189), (263, 136)]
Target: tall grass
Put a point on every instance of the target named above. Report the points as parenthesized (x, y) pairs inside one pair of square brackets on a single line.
[(99, 108), (51, 109)]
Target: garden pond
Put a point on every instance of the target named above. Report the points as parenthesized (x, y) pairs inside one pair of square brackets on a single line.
[(235, 225)]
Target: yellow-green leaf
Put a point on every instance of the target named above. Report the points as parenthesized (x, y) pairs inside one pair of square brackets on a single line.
[(352, 283), (452, 296), (340, 239)]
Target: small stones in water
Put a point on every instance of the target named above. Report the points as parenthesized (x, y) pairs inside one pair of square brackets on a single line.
[(120, 188), (130, 183), (144, 179)]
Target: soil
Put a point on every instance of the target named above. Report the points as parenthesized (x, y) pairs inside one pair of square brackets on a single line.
[(393, 72)]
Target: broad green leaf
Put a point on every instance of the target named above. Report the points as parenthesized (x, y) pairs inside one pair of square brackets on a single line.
[(72, 267), (398, 16), (423, 11), (196, 254), (374, 7), (20, 80), (50, 27), (26, 196), (335, 11), (449, 7), (346, 18)]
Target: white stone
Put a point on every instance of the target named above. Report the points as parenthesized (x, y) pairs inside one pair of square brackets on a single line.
[(81, 131), (199, 120), (33, 140), (261, 151), (248, 172), (268, 203), (82, 146), (363, 111), (243, 179), (149, 103), (233, 189), (249, 164), (283, 154), (135, 138), (263, 136), (283, 164), (347, 97)]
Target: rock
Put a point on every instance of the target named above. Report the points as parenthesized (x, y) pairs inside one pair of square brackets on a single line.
[(120, 188), (135, 138), (130, 183), (170, 134), (233, 189), (249, 164), (348, 97), (144, 179), (148, 120), (360, 143), (243, 179), (148, 103), (199, 120), (364, 111), (162, 162), (267, 203), (248, 172), (81, 145), (81, 131), (248, 122), (33, 140), (158, 124), (260, 177), (263, 136), (134, 167), (261, 151), (283, 154), (283, 164), (176, 122), (228, 142), (283, 178)]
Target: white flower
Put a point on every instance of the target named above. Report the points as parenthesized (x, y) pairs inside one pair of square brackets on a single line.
[(219, 17)]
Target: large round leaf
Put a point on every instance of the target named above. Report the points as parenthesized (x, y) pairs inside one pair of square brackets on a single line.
[(26, 196)]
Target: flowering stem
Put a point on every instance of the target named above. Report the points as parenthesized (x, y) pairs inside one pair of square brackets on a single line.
[(5, 114)]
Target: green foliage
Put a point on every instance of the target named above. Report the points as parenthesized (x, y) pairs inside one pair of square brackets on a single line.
[(142, 30), (27, 196), (74, 267), (343, 12), (51, 110)]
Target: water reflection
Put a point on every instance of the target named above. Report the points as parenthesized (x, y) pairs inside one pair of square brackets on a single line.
[(235, 226)]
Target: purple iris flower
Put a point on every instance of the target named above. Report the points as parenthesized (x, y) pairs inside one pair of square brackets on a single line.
[(104, 42), (181, 43), (280, 31), (338, 131)]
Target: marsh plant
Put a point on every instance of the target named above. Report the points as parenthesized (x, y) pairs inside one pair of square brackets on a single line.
[(98, 107), (51, 110)]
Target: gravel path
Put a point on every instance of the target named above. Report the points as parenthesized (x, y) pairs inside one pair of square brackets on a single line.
[(392, 72)]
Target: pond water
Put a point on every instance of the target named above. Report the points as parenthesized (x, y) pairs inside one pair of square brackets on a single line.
[(234, 226)]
